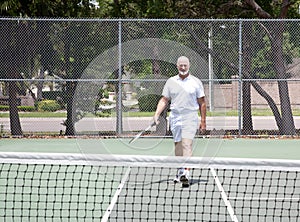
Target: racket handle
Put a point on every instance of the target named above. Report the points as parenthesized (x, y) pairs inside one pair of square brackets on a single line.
[(153, 124)]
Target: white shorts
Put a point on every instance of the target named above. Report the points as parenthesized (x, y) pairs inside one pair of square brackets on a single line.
[(183, 125)]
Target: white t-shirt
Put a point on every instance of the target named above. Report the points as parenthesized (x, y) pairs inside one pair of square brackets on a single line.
[(183, 93)]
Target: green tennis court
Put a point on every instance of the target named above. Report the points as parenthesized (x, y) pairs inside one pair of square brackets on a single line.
[(234, 148), (110, 180)]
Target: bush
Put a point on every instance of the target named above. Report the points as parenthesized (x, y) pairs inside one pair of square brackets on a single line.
[(26, 108), (20, 108), (148, 103), (48, 105)]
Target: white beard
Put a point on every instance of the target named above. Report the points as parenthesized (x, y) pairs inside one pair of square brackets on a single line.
[(184, 73)]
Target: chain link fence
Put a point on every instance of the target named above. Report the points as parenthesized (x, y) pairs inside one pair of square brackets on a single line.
[(105, 77)]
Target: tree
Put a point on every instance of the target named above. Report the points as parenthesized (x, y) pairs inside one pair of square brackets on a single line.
[(14, 57), (275, 33), (64, 59), (284, 119), (76, 52)]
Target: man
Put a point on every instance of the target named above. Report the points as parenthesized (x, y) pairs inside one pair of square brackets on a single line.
[(187, 97)]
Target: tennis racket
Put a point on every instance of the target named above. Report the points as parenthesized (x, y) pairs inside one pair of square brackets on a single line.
[(141, 133)]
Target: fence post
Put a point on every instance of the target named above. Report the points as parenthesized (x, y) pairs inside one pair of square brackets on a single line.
[(119, 127), (240, 96)]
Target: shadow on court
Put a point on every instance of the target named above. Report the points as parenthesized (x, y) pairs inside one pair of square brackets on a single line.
[(170, 181)]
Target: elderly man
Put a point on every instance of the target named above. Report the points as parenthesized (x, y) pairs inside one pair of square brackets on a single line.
[(187, 97)]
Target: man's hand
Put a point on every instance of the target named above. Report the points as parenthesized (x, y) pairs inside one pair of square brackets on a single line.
[(155, 119), (202, 109), (202, 128)]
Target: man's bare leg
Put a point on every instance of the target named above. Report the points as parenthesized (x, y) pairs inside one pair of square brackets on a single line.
[(183, 148), (187, 147), (178, 149)]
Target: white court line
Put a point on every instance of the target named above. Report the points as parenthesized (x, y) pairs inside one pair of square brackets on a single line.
[(266, 198), (224, 196), (115, 198)]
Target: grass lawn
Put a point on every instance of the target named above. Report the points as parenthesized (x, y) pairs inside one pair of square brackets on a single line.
[(255, 112)]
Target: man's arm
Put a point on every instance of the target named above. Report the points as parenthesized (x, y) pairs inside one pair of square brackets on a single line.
[(162, 104), (202, 109)]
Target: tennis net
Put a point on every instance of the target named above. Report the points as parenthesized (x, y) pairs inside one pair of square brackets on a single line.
[(75, 187)]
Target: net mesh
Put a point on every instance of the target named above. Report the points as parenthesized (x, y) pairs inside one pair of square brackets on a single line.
[(37, 188)]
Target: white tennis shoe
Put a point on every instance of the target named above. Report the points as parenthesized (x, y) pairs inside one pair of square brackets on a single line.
[(178, 175), (182, 176)]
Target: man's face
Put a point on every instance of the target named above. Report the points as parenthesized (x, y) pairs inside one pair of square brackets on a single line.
[(183, 67)]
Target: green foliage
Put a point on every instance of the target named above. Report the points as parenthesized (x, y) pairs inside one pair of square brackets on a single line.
[(262, 63), (20, 108), (48, 105), (148, 103), (143, 69), (4, 108), (52, 8), (142, 9)]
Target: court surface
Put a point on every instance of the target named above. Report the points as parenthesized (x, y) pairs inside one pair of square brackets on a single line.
[(203, 147), (139, 193)]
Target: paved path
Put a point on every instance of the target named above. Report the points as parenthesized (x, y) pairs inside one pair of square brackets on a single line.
[(132, 124)]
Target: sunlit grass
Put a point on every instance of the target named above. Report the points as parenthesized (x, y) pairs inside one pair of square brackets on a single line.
[(255, 112), (36, 114)]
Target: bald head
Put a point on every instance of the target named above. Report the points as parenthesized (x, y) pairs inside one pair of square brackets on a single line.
[(183, 59), (183, 65)]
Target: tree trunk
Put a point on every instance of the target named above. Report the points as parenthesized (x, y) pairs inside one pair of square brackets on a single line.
[(70, 87), (287, 120), (40, 84), (285, 123), (16, 58), (15, 125), (287, 126), (247, 55), (71, 112)]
